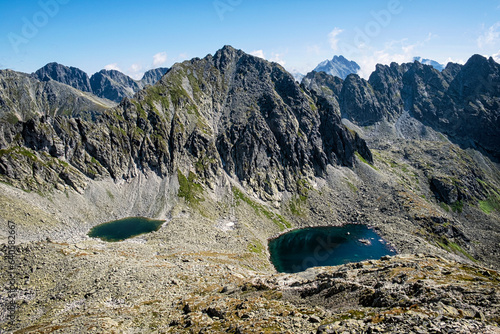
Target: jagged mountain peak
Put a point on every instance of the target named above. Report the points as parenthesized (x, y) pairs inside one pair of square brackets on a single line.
[(24, 96), (70, 76), (227, 56), (338, 66), (109, 84), (461, 101), (152, 76), (480, 65), (231, 112)]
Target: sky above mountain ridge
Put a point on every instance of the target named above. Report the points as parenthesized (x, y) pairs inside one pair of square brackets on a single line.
[(134, 37)]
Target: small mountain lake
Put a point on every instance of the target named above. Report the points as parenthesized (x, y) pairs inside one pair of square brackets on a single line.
[(298, 250), (119, 230)]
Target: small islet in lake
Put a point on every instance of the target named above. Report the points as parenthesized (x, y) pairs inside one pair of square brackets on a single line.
[(119, 230), (300, 249)]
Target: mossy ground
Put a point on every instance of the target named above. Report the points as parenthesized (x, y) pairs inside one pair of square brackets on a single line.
[(189, 189), (276, 218)]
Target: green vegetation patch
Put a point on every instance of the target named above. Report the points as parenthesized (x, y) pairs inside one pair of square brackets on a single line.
[(189, 189), (298, 201), (18, 150), (255, 246), (365, 161), (277, 219), (157, 93), (352, 186), (492, 203), (444, 206), (457, 206), (296, 205), (453, 247), (12, 118), (303, 187), (110, 194)]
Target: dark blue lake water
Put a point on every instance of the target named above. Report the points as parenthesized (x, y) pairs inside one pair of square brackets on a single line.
[(298, 250), (119, 230)]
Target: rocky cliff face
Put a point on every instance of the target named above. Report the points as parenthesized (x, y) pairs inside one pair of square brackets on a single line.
[(113, 85), (70, 76), (461, 102), (420, 110), (230, 151), (23, 96), (153, 76), (230, 112)]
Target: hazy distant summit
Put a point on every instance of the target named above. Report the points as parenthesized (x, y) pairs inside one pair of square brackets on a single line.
[(433, 63), (338, 67)]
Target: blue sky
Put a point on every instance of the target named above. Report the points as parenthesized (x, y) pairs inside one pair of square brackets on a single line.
[(134, 36)]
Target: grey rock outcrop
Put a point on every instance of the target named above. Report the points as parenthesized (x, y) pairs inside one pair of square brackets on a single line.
[(153, 76), (23, 96), (113, 85)]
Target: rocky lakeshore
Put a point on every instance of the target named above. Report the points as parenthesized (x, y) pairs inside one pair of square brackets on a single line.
[(133, 287)]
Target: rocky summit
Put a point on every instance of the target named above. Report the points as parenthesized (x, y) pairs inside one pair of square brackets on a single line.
[(111, 85), (338, 67), (230, 150)]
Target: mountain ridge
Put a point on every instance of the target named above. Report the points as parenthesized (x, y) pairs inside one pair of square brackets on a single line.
[(278, 119), (22, 96), (230, 151), (109, 84), (393, 89)]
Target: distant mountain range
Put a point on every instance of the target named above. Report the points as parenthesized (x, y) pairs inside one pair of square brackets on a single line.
[(115, 85), (431, 62), (297, 75), (109, 84), (231, 150), (338, 67), (341, 67), (461, 101)]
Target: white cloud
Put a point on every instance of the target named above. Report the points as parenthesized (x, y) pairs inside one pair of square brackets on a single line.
[(314, 49), (135, 67), (399, 51), (430, 37), (278, 58), (394, 51), (496, 57), (452, 60), (159, 59), (183, 56), (135, 71), (275, 57), (113, 66), (490, 37), (333, 38), (258, 53)]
